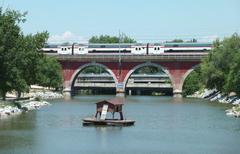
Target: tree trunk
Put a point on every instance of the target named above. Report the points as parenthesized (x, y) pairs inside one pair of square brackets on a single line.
[(19, 94), (4, 96)]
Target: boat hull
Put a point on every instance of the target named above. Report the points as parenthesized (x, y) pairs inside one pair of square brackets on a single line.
[(107, 122)]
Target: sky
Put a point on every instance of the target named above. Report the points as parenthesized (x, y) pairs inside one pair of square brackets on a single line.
[(143, 20)]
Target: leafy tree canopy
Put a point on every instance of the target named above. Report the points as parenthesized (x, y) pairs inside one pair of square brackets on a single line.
[(220, 69), (20, 58), (182, 41), (111, 39), (94, 70)]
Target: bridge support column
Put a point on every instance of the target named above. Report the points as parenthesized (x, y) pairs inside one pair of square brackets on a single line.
[(177, 88), (120, 91), (177, 93), (67, 92)]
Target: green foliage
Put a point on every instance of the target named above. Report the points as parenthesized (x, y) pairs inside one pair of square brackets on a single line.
[(148, 70), (181, 41), (111, 39), (94, 70), (193, 82), (221, 69), (49, 72), (176, 41), (20, 59), (10, 75), (193, 40), (233, 79)]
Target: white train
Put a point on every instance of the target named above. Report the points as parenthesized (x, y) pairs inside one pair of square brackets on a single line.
[(140, 49)]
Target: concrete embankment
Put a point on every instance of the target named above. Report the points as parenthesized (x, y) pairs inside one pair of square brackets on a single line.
[(216, 96)]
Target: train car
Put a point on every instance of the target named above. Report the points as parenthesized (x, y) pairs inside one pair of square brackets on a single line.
[(80, 49), (50, 49), (139, 49), (155, 49), (74, 49), (109, 49), (187, 47), (65, 49)]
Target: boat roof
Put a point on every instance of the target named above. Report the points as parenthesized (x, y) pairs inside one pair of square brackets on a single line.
[(114, 101)]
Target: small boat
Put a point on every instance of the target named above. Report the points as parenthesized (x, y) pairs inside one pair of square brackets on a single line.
[(102, 108)]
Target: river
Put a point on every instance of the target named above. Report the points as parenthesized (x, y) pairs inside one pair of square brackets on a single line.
[(163, 125)]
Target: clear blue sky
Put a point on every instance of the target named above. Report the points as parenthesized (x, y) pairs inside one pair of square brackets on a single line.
[(144, 20)]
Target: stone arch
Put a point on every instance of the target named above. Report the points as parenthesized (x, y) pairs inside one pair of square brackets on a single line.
[(79, 70), (187, 73), (143, 65)]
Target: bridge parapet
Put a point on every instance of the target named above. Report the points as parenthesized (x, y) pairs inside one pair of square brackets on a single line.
[(133, 58)]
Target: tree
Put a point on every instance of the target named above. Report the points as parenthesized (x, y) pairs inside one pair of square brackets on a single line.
[(111, 39), (193, 82), (233, 79), (94, 70), (182, 41), (176, 41), (20, 55), (192, 40), (220, 69), (28, 55), (149, 70), (49, 72), (10, 75)]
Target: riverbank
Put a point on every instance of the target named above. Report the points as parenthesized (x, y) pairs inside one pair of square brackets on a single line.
[(215, 96), (33, 100), (45, 95), (8, 109)]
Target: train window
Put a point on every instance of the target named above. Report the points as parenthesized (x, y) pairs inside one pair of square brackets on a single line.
[(69, 48), (175, 45), (158, 48), (143, 48), (102, 46), (139, 49), (155, 48), (136, 48), (62, 49)]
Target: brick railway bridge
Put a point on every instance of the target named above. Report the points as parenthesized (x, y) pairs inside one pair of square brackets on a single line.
[(177, 66)]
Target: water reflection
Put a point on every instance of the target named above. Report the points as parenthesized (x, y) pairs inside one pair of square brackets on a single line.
[(16, 132), (178, 100), (24, 121), (109, 129)]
